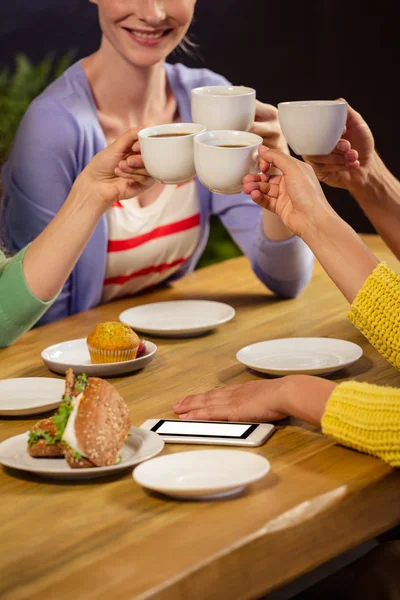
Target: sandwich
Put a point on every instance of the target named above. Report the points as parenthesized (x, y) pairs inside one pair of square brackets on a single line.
[(43, 440), (89, 428)]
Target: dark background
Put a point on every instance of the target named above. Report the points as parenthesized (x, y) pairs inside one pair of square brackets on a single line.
[(292, 50)]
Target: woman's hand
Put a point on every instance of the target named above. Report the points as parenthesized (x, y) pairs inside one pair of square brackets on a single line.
[(267, 125), (296, 196), (117, 172), (259, 401), (349, 164)]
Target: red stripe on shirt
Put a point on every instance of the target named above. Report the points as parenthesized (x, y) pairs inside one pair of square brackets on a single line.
[(178, 185), (117, 204), (163, 230), (121, 279)]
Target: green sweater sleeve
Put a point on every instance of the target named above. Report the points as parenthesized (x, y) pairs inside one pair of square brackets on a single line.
[(19, 307)]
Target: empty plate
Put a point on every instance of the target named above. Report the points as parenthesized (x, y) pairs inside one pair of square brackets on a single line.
[(178, 318), (140, 446), (75, 354), (29, 395), (202, 474), (288, 356)]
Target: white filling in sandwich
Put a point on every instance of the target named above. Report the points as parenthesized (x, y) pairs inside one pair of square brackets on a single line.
[(69, 435)]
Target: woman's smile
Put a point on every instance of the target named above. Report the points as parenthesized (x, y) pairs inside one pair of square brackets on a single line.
[(148, 37)]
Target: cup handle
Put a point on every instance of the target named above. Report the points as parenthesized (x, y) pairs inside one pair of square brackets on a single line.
[(256, 160)]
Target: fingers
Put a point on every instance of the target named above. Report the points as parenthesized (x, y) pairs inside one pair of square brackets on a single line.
[(341, 155), (136, 186), (131, 174), (136, 147), (266, 112), (252, 178), (218, 396), (134, 161), (209, 413), (353, 117), (284, 162), (266, 189), (332, 168), (133, 165), (214, 405), (125, 142), (262, 200), (267, 130)]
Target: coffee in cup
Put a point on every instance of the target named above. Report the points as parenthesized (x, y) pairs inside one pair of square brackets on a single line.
[(222, 158), (224, 107), (313, 127), (167, 151)]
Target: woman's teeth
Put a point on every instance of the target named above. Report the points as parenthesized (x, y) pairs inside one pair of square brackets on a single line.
[(148, 36)]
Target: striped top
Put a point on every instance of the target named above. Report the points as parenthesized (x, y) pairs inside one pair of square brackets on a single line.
[(147, 245)]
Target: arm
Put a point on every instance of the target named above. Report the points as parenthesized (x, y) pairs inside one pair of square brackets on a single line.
[(297, 198), (38, 177), (379, 197), (19, 307), (267, 126), (342, 254), (373, 290), (361, 416), (358, 415), (30, 280), (285, 266), (355, 165)]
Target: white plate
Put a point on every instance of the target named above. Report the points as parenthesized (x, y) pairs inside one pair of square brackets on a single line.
[(140, 446), (202, 473), (299, 355), (178, 318), (29, 395), (75, 354)]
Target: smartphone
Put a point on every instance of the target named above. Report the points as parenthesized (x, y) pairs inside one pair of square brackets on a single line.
[(176, 431)]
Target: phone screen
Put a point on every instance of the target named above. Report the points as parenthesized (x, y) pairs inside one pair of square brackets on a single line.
[(200, 429)]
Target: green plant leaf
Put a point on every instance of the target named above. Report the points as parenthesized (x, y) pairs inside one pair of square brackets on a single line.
[(19, 87)]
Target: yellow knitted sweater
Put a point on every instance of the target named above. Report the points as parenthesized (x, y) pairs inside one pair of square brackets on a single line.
[(360, 415)]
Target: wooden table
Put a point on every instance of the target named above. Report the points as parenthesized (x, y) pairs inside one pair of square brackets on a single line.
[(111, 540)]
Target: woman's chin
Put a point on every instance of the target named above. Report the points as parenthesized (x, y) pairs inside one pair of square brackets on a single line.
[(147, 59)]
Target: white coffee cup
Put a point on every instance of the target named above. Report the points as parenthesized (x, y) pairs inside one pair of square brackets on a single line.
[(169, 159), (313, 127), (221, 169), (224, 107)]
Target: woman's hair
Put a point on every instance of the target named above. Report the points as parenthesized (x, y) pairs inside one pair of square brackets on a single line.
[(189, 47)]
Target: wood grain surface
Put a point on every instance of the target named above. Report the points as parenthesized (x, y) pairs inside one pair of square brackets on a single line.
[(110, 539)]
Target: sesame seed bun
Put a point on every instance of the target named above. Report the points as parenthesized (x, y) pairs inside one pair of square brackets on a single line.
[(102, 423), (76, 463)]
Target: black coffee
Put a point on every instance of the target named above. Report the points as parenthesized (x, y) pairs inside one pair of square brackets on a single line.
[(167, 135), (233, 145)]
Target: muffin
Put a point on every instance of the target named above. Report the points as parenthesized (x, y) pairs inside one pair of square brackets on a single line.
[(112, 342)]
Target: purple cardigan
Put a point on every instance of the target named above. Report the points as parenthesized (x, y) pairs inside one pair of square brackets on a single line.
[(58, 136)]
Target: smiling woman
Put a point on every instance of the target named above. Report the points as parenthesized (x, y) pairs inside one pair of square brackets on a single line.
[(160, 234)]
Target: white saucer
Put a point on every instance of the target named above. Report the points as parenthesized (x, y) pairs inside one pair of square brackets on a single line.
[(299, 355), (202, 474), (29, 395), (140, 446), (177, 318), (75, 354)]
